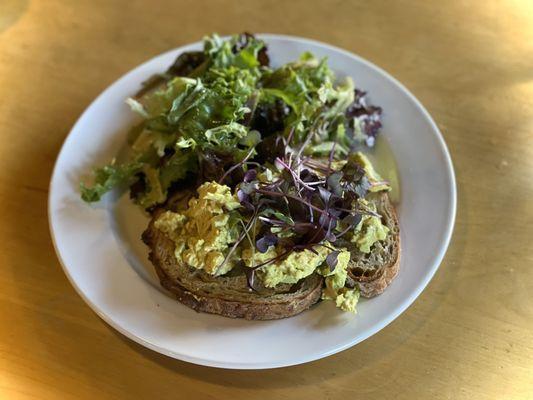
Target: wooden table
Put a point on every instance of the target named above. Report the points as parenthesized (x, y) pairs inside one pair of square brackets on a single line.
[(468, 336)]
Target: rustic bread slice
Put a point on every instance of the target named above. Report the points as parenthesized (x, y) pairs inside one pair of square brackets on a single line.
[(227, 295), (373, 272)]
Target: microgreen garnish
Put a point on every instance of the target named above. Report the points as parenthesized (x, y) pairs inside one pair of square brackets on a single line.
[(307, 203)]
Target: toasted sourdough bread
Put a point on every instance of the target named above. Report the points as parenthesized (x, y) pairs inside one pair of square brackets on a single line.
[(227, 295), (373, 272), (230, 296)]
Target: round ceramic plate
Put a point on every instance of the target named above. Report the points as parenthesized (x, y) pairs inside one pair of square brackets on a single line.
[(101, 252)]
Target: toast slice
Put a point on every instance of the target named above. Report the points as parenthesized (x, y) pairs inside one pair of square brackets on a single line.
[(227, 295), (373, 272)]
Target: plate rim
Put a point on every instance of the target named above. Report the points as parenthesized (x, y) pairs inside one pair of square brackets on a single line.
[(406, 303)]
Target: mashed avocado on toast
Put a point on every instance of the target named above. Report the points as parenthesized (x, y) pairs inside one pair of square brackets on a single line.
[(206, 235), (261, 198), (369, 230), (203, 232)]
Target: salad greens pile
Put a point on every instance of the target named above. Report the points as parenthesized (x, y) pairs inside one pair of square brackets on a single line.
[(216, 113)]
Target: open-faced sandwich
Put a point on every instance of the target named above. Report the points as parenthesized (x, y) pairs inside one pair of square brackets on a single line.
[(261, 198)]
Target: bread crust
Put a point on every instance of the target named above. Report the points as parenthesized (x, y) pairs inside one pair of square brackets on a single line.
[(373, 282), (251, 305)]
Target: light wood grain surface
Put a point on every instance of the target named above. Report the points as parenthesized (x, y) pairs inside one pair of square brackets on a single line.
[(468, 336)]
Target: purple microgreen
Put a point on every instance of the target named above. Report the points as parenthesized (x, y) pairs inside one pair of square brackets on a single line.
[(332, 260), (330, 237), (306, 175), (265, 242), (274, 185), (325, 195), (239, 164), (361, 188), (305, 143), (248, 187), (324, 220), (309, 200), (351, 221), (242, 196), (334, 182), (247, 227), (316, 183), (250, 175), (294, 175), (250, 272), (333, 210), (366, 117), (311, 214), (289, 196)]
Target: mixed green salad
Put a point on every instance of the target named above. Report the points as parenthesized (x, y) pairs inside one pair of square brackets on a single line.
[(215, 108), (273, 155)]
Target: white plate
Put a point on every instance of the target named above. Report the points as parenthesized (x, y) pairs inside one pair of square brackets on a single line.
[(101, 252)]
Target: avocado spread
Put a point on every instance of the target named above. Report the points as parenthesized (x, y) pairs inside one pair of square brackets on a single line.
[(300, 264), (345, 298), (203, 232), (369, 230), (378, 184)]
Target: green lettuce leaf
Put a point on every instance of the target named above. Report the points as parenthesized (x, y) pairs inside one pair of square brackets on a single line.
[(176, 168), (226, 135), (108, 177), (160, 102), (222, 55), (154, 193), (152, 140), (190, 98)]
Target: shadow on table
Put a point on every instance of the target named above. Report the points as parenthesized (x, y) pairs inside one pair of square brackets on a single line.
[(12, 11)]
